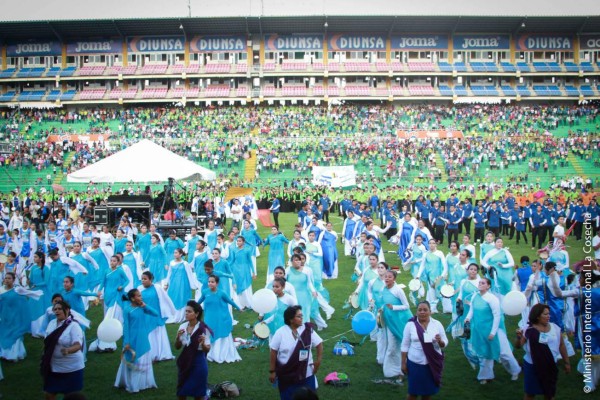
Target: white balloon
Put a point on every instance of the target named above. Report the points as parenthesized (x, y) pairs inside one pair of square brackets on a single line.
[(110, 330), (514, 303), (264, 301)]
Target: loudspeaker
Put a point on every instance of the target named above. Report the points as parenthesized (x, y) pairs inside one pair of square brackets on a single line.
[(100, 215)]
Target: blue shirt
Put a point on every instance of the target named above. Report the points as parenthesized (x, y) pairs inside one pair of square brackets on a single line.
[(494, 218)]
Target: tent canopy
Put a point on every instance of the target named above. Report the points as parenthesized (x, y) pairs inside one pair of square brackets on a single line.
[(145, 161)]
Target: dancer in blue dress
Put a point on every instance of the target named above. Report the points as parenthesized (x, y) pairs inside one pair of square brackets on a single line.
[(171, 244), (406, 233), (39, 278), (503, 263), (467, 288), (135, 371), (100, 256), (133, 260), (15, 320), (60, 267), (120, 241), (91, 280), (179, 284), (244, 271), (328, 240), (274, 319), (143, 241), (190, 244), (156, 259), (210, 235), (155, 296), (219, 320), (376, 303), (433, 269), (277, 252), (301, 278), (200, 256)]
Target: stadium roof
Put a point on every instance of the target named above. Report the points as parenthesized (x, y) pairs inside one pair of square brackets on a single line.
[(65, 19)]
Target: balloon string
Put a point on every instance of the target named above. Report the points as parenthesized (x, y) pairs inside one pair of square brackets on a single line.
[(333, 337)]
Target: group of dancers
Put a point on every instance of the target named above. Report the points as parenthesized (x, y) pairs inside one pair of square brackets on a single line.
[(146, 281)]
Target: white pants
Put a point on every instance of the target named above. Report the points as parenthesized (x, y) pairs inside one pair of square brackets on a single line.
[(507, 359), (392, 360)]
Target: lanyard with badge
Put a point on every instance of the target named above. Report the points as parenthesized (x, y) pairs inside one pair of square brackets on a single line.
[(303, 353)]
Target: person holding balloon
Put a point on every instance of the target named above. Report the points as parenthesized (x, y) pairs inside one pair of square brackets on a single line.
[(135, 371), (216, 303), (274, 318), (422, 358), (488, 334), (279, 272), (292, 365), (62, 361), (396, 313), (544, 346)]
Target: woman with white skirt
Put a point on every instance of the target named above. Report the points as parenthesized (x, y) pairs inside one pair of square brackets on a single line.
[(135, 371), (217, 317), (155, 296)]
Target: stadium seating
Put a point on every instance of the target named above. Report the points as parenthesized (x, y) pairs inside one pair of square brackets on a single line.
[(545, 90), (333, 67), (422, 90), (357, 66), (91, 70), (35, 72), (154, 69), (444, 66), (445, 90), (241, 68), (523, 90), (318, 90), (318, 66), (459, 67), (154, 92), (269, 66), (523, 67), (217, 91), (68, 95), (119, 93), (541, 66), (487, 66), (357, 90), (217, 68), (382, 66), (508, 90), (69, 71), (269, 91), (92, 94), (180, 92), (176, 69), (484, 90), (294, 65), (8, 96), (293, 90), (397, 66), (192, 69), (7, 73), (382, 91), (53, 95), (117, 69), (508, 67), (333, 90), (242, 91), (398, 91), (32, 95), (586, 67), (571, 66), (421, 67), (586, 90), (571, 91)]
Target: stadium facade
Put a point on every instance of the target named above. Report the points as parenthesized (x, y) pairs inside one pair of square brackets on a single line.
[(269, 51)]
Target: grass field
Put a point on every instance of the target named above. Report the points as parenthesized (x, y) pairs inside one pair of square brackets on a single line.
[(22, 380)]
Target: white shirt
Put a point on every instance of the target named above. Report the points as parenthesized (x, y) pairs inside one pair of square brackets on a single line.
[(71, 362), (185, 337), (412, 345), (283, 343), (559, 231), (553, 337), (238, 216)]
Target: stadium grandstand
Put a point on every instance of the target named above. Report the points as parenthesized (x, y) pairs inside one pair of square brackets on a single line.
[(305, 52)]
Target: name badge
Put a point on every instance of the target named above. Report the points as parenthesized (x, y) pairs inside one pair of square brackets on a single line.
[(543, 338), (427, 337), (303, 355)]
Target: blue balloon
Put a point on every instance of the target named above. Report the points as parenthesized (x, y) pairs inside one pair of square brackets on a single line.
[(363, 322)]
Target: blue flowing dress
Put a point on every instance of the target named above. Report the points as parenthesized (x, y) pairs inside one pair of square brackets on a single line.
[(277, 251), (330, 253), (240, 260), (155, 261)]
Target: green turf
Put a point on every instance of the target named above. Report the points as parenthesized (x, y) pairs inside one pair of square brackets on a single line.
[(22, 380)]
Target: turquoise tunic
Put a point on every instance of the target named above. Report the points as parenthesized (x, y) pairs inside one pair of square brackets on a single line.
[(120, 245), (377, 293), (252, 238), (301, 283), (485, 247), (112, 280), (481, 326), (138, 322), (216, 312), (151, 299), (179, 290), (171, 245), (39, 279), (143, 241), (130, 261), (243, 269), (83, 281), (363, 296), (191, 247), (504, 276), (418, 252), (155, 261), (433, 268), (74, 298), (211, 239), (58, 272), (15, 319), (395, 320), (277, 314), (277, 251), (100, 258)]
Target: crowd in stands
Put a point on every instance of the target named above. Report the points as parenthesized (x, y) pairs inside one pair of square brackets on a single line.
[(295, 138)]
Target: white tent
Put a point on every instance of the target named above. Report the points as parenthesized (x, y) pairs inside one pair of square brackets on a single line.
[(145, 161)]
